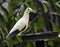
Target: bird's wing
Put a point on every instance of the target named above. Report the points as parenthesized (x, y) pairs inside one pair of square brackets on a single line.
[(23, 30), (10, 35), (18, 27)]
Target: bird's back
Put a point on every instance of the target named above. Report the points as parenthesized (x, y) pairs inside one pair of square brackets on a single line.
[(17, 27)]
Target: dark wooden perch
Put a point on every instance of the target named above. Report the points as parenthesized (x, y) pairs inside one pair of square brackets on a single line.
[(40, 36)]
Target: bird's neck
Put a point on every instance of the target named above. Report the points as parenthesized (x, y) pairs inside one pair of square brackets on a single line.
[(26, 15)]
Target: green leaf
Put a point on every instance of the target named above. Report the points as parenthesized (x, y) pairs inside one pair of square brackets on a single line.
[(10, 8), (32, 5), (41, 24), (3, 23), (45, 44), (29, 44), (50, 42), (55, 27), (35, 27), (10, 43), (19, 38)]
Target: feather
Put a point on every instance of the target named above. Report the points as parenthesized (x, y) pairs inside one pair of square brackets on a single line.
[(21, 25)]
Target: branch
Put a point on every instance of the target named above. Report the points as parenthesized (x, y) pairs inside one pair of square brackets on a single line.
[(40, 36)]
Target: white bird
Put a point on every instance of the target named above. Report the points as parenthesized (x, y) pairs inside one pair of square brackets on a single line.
[(21, 25)]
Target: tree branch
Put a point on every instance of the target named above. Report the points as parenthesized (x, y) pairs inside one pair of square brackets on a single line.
[(40, 36)]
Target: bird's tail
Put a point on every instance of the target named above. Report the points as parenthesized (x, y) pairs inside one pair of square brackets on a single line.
[(6, 38)]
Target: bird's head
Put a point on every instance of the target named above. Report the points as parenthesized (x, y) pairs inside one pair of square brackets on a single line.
[(28, 10)]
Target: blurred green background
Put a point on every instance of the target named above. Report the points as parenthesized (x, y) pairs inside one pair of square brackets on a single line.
[(48, 20)]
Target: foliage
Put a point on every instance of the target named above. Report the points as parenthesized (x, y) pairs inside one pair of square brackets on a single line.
[(48, 16)]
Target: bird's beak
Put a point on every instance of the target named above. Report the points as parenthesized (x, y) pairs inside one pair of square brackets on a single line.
[(33, 11)]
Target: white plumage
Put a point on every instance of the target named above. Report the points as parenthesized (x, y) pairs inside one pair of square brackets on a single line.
[(20, 24)]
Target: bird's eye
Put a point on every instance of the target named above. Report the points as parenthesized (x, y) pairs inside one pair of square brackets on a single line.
[(28, 9)]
